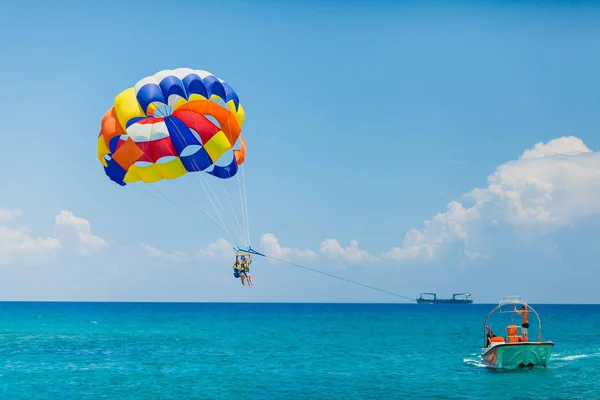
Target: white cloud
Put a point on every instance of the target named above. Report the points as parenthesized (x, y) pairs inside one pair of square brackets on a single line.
[(270, 246), (553, 185), (569, 146), (442, 228), (156, 253), (9, 215), (221, 249), (87, 243), (547, 187), (17, 242), (331, 248)]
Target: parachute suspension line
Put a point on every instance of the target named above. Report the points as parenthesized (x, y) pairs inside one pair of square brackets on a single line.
[(198, 206), (224, 230), (156, 193), (219, 215), (224, 213), (143, 191), (204, 183), (246, 205), (242, 209), (149, 192), (223, 225), (217, 206), (212, 219), (336, 277), (235, 217), (164, 197)]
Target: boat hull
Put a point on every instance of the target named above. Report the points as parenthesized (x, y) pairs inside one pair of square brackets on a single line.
[(518, 355)]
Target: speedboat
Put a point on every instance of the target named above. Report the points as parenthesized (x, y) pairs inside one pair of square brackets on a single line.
[(514, 350)]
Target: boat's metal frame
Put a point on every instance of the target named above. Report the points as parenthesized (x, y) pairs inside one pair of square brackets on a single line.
[(512, 300)]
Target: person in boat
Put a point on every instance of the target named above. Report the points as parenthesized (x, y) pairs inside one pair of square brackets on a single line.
[(490, 335), (246, 261), (525, 323), (238, 271)]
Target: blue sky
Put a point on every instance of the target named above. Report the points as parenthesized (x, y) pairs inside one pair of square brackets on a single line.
[(363, 121)]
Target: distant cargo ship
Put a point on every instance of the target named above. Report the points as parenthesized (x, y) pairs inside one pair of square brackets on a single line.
[(457, 298)]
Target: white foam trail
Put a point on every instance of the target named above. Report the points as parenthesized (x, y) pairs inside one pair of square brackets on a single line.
[(576, 357), (475, 361)]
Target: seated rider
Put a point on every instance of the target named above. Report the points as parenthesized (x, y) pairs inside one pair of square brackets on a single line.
[(238, 270), (490, 335), (246, 268)]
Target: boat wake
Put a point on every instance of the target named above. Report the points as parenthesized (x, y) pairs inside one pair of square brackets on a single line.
[(573, 357), (475, 361)]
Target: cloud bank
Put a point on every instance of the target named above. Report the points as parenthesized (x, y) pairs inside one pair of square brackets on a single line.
[(551, 186), (18, 243), (86, 242)]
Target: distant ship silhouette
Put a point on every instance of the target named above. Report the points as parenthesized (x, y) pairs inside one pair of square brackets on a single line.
[(457, 298)]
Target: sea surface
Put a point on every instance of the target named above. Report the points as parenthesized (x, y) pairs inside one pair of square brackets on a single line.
[(282, 351)]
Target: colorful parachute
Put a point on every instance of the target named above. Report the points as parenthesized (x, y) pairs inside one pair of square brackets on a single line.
[(169, 124)]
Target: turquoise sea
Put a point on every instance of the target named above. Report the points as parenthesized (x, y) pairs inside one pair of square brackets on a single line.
[(281, 351)]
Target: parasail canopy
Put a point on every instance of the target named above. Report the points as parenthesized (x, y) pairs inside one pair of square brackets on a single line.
[(172, 123)]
